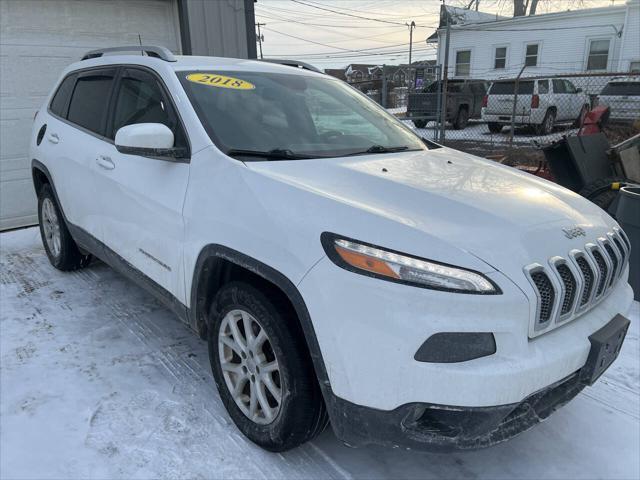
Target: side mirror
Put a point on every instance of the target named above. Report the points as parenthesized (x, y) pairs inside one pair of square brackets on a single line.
[(148, 140)]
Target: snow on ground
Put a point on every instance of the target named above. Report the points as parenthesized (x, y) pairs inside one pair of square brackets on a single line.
[(479, 132), (97, 380)]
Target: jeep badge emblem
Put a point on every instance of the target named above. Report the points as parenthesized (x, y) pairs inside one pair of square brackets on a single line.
[(574, 232)]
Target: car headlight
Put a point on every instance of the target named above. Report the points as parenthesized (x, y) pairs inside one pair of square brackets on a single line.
[(397, 267)]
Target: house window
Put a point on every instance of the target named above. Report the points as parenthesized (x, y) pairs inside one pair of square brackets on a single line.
[(531, 55), (463, 63), (501, 58), (634, 66), (598, 54)]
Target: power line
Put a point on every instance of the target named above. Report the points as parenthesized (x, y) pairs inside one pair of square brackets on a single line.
[(356, 16)]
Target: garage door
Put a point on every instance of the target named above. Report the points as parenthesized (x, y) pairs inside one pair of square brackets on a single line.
[(37, 40)]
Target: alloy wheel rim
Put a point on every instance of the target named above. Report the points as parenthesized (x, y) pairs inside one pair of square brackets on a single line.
[(51, 227), (250, 367)]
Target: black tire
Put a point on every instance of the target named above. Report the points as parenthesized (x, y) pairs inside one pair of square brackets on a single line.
[(302, 414), (546, 127), (462, 119), (420, 123), (578, 121), (69, 257), (494, 127), (600, 191)]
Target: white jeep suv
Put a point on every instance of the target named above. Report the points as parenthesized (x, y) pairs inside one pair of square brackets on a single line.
[(341, 268)]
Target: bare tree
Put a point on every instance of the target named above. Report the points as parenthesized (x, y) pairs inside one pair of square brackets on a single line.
[(524, 7)]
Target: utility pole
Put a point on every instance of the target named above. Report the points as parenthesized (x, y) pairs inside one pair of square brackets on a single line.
[(411, 27), (445, 75), (260, 37)]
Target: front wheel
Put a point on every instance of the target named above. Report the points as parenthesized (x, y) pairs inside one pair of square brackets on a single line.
[(61, 249), (262, 369)]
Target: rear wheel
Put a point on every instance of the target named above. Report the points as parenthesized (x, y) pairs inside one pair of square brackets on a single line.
[(494, 127), (262, 369), (546, 127), (61, 249), (420, 123), (462, 119)]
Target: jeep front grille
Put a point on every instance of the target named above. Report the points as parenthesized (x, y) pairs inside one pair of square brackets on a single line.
[(569, 282), (604, 270), (547, 295), (571, 285), (588, 277)]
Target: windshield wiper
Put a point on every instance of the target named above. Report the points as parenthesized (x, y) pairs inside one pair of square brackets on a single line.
[(378, 149), (275, 154), (383, 149)]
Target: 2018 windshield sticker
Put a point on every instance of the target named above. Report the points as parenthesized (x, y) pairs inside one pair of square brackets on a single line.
[(220, 81)]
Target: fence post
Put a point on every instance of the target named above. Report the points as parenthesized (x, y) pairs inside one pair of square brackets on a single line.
[(445, 75), (384, 86), (515, 103), (436, 124)]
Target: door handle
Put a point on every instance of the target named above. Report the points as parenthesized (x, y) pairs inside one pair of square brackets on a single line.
[(105, 162), (53, 138)]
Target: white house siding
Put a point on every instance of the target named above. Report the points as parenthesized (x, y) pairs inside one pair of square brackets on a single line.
[(630, 51), (564, 49)]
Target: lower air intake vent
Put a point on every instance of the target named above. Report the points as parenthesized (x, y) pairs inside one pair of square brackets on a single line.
[(547, 295), (569, 282), (602, 266), (587, 274)]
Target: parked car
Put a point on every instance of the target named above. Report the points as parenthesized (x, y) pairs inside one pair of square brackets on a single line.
[(339, 266), (541, 103), (464, 101), (622, 96)]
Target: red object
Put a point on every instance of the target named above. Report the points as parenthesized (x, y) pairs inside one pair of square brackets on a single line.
[(594, 120), (535, 101), (485, 100)]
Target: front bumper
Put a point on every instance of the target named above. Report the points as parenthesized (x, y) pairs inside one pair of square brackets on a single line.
[(369, 330), (430, 427), (438, 427)]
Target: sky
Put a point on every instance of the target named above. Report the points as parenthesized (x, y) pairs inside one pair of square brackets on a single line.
[(333, 33)]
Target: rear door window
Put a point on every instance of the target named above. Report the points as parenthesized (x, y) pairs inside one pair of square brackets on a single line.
[(60, 102), (559, 86), (90, 99)]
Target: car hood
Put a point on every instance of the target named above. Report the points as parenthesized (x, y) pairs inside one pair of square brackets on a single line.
[(504, 217)]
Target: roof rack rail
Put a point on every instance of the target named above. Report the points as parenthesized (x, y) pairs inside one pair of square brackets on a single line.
[(293, 63), (162, 53)]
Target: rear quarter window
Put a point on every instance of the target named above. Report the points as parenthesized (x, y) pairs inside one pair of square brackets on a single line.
[(622, 88), (508, 88), (60, 101)]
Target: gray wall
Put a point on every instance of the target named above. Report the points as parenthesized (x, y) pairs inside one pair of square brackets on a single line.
[(219, 28)]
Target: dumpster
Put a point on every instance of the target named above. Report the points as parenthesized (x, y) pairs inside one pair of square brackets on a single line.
[(628, 215)]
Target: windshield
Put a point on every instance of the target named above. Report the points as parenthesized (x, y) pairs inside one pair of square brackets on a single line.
[(293, 115)]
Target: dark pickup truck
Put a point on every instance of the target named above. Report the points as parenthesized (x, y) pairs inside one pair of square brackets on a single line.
[(464, 101)]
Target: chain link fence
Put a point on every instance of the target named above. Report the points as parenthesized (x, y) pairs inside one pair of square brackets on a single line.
[(513, 118)]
